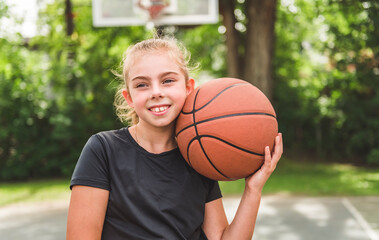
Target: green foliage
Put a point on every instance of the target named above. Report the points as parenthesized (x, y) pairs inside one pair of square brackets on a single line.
[(3, 9), (355, 77), (23, 110), (210, 54), (327, 77), (56, 91), (373, 156)]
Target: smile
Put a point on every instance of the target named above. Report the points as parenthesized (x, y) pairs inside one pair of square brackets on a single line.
[(158, 109)]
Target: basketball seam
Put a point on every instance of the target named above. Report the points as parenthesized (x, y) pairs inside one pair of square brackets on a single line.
[(199, 140), (193, 118), (189, 161), (225, 116), (231, 144), (218, 94)]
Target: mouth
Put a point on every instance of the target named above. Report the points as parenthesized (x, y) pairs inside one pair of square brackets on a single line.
[(159, 109)]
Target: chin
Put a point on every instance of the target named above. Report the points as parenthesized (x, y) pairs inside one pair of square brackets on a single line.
[(165, 124)]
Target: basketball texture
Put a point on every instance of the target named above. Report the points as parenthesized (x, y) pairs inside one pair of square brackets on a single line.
[(224, 127)]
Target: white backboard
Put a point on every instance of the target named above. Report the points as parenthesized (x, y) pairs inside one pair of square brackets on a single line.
[(178, 12)]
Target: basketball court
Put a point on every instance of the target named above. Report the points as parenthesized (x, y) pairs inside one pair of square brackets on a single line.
[(320, 218)]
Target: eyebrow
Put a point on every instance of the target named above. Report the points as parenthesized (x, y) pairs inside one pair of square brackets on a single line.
[(160, 76)]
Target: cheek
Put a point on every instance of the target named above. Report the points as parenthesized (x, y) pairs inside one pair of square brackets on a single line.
[(138, 101), (181, 98)]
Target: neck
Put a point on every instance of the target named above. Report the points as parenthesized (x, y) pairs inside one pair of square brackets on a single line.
[(154, 140)]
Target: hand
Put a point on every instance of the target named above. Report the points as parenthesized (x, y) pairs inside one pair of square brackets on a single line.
[(256, 181)]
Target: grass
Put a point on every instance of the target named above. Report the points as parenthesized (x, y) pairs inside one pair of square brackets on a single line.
[(35, 191), (290, 178), (315, 179)]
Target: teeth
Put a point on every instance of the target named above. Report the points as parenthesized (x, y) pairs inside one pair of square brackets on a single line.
[(159, 109)]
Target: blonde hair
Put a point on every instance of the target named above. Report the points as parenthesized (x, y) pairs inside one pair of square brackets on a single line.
[(175, 49)]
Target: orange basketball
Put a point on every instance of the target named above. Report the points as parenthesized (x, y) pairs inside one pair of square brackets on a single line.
[(224, 127)]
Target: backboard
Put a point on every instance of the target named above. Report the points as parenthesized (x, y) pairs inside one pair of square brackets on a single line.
[(160, 12)]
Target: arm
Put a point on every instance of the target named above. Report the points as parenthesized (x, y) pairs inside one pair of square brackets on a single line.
[(242, 227), (86, 213)]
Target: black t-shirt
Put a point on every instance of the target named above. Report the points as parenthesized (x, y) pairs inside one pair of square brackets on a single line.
[(151, 196)]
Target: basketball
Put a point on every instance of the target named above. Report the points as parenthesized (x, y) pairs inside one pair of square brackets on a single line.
[(224, 127)]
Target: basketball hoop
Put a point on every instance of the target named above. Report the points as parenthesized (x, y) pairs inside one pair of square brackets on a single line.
[(154, 7), (107, 13)]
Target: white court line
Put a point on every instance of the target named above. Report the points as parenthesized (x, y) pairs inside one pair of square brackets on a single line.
[(364, 224)]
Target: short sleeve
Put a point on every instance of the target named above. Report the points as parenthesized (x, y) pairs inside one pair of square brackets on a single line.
[(214, 191), (92, 167)]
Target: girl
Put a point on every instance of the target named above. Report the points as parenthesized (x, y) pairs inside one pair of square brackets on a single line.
[(132, 183)]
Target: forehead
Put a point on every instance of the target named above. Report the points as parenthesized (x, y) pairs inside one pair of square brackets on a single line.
[(148, 61), (161, 53)]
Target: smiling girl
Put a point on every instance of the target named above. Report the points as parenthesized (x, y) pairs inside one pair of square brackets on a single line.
[(132, 183)]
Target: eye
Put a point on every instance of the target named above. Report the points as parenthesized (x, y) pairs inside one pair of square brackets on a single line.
[(141, 85), (167, 81)]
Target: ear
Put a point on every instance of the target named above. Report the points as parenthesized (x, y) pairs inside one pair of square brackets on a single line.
[(190, 86), (127, 97)]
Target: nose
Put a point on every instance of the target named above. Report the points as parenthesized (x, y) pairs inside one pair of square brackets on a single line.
[(156, 91)]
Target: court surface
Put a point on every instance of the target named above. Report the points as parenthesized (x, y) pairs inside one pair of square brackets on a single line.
[(304, 218), (280, 218)]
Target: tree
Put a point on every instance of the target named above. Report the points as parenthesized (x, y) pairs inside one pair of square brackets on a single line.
[(353, 87), (250, 50), (57, 90)]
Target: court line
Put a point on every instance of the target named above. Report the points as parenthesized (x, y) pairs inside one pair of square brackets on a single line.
[(360, 219)]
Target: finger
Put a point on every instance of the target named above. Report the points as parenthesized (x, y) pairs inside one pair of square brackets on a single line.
[(281, 143), (267, 153), (277, 151), (268, 158), (277, 144)]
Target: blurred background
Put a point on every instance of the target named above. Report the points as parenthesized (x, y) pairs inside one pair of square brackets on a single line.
[(317, 61)]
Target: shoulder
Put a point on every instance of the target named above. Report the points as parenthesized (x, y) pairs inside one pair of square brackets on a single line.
[(112, 134), (109, 137), (99, 156), (105, 143)]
